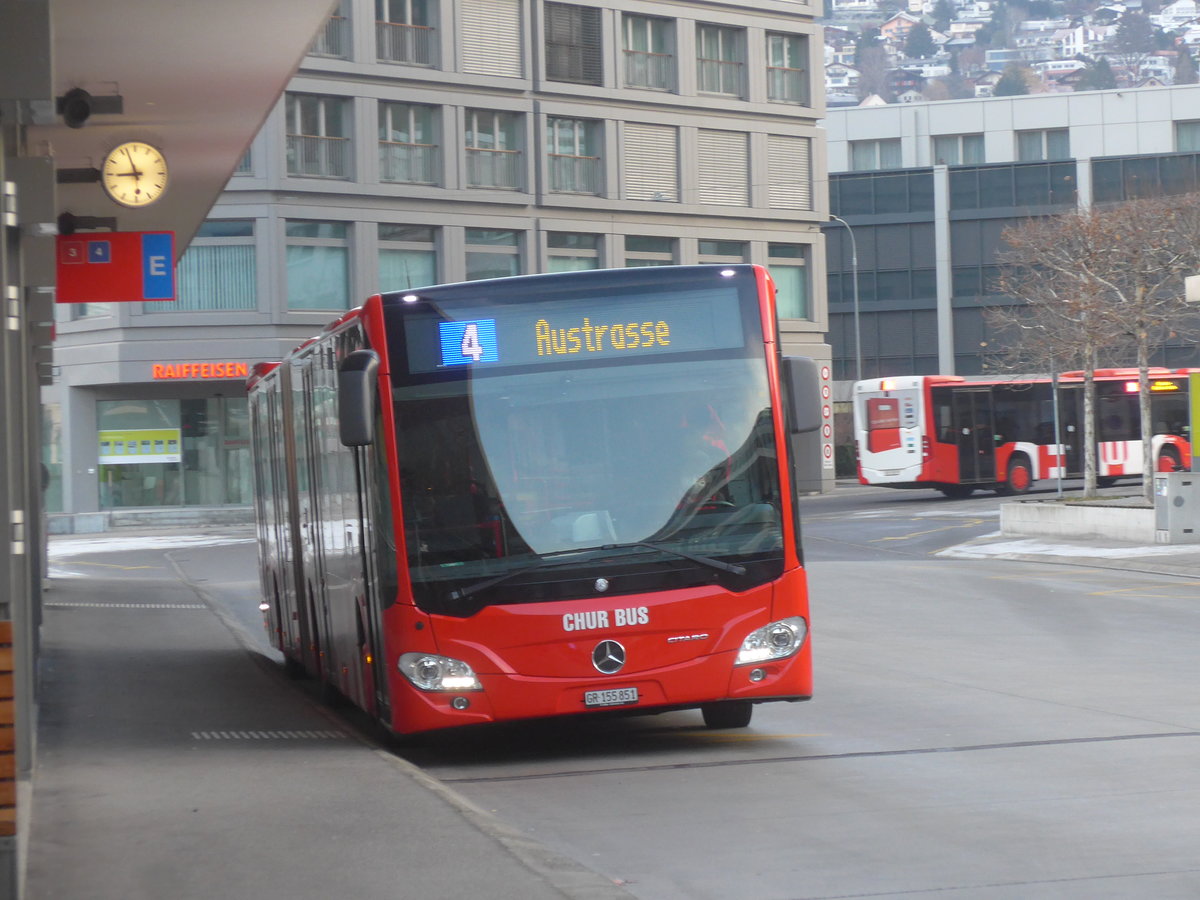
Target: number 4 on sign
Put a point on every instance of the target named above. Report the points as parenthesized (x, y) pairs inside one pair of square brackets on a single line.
[(470, 343)]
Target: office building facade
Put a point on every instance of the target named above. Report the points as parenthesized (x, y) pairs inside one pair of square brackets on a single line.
[(433, 141), (927, 190)]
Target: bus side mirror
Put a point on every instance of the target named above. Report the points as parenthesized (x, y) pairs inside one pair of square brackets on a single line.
[(356, 398), (802, 393)]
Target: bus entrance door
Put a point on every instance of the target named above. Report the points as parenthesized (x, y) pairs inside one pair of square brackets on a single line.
[(976, 444)]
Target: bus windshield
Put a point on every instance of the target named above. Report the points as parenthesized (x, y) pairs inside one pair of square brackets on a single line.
[(562, 476)]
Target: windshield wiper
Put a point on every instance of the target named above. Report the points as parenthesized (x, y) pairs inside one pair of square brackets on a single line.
[(463, 593), (692, 557)]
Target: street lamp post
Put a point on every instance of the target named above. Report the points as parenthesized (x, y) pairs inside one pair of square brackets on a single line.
[(854, 270)]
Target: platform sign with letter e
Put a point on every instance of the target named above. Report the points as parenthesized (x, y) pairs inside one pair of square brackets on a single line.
[(116, 267)]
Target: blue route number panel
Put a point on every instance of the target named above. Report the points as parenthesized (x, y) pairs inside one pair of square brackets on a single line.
[(469, 342)]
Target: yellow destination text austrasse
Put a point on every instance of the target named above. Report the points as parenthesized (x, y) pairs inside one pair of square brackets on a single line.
[(589, 338)]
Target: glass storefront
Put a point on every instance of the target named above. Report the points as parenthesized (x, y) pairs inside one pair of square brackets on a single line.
[(174, 452), (52, 453)]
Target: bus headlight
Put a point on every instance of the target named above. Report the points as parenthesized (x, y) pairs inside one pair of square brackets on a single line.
[(430, 672), (779, 640)]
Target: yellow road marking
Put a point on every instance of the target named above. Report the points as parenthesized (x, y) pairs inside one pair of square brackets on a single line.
[(1150, 590), (904, 537), (82, 562)]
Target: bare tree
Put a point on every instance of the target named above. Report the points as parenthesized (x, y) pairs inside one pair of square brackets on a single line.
[(1134, 43), (1102, 286), (1061, 325), (1155, 244)]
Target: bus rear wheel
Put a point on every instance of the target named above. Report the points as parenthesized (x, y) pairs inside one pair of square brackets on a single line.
[(1020, 476), (727, 714)]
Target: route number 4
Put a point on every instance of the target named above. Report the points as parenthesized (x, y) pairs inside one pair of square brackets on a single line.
[(471, 345)]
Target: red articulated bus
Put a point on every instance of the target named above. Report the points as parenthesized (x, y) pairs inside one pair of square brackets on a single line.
[(540, 496), (957, 434)]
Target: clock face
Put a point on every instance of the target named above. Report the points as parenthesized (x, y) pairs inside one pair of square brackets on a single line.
[(134, 174)]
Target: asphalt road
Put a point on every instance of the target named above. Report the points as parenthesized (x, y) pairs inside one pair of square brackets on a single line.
[(981, 729)]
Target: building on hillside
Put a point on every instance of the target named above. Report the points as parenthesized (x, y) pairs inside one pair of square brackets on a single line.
[(927, 233), (428, 141)]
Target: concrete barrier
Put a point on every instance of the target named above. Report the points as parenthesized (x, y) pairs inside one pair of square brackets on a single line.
[(1035, 518), (148, 517)]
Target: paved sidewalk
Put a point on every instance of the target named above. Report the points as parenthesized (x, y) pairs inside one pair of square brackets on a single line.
[(176, 764), (1161, 559)]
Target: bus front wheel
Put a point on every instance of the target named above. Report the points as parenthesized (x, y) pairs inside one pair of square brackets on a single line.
[(727, 714), (1020, 476), (1168, 461)]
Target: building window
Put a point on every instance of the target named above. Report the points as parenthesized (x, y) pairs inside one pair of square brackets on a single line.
[(217, 272), (245, 165), (650, 155), (647, 250), (789, 270), (173, 452), (893, 192), (76, 311), (573, 155), (1034, 146), (407, 256), (723, 167), (718, 252), (1130, 177), (649, 52), (570, 252), (720, 59), (1187, 137), (318, 142), (492, 253), (1010, 184), (789, 172), (408, 144), (493, 142), (958, 149), (573, 44), (867, 156), (333, 41), (787, 68), (406, 31), (318, 259)]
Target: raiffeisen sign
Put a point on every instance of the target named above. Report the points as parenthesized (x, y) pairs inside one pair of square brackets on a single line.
[(179, 371)]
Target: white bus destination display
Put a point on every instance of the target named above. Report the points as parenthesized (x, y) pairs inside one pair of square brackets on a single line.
[(580, 329)]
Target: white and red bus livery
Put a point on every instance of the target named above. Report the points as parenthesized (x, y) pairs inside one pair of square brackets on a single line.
[(958, 434), (540, 496)]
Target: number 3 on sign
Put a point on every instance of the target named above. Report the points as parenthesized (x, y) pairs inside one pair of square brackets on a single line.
[(470, 343)]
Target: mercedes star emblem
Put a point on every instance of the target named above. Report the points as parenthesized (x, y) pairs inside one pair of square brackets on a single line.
[(608, 657)]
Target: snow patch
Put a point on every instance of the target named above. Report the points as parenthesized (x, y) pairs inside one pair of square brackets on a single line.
[(1034, 547), (59, 548)]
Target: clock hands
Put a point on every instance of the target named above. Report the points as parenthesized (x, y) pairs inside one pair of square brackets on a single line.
[(132, 165)]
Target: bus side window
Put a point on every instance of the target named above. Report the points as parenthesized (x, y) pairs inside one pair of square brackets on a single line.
[(1006, 430)]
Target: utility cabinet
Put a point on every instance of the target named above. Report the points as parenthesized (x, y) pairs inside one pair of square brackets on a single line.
[(1177, 507)]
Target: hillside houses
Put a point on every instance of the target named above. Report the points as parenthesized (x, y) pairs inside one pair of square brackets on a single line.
[(1055, 55)]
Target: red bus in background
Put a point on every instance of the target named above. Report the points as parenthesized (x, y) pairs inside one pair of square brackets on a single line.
[(540, 496), (957, 434)]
